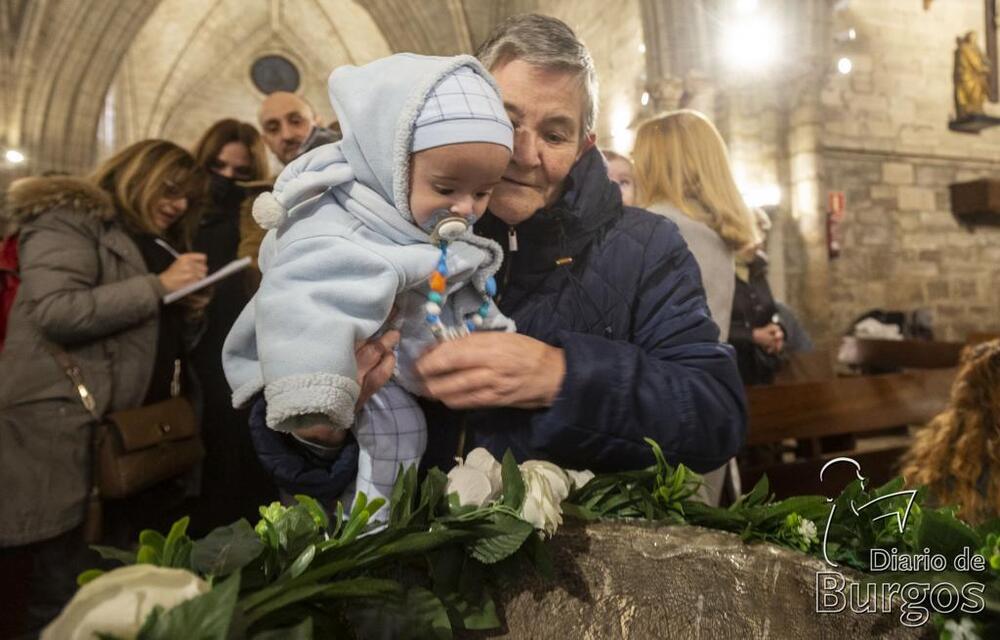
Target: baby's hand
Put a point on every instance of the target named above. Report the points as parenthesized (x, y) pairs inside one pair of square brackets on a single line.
[(317, 429)]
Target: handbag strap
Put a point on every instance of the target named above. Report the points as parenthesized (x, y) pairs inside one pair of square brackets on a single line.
[(75, 376)]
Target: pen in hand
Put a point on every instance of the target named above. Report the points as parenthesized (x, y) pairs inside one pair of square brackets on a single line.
[(187, 268), (166, 246)]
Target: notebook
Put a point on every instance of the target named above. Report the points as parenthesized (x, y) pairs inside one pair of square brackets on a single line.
[(226, 271)]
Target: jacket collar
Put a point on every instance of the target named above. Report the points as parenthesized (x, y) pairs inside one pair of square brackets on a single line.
[(589, 203), (30, 197)]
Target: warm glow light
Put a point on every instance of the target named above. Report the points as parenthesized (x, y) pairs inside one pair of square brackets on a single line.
[(621, 136), (751, 44), (762, 195), (642, 47), (844, 66), (14, 156), (852, 34), (644, 100)]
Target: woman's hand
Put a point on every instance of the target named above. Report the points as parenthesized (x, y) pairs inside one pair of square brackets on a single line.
[(187, 269), (493, 369), (376, 362), (770, 338)]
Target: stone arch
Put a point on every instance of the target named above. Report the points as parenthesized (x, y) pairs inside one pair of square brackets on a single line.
[(201, 73), (65, 56)]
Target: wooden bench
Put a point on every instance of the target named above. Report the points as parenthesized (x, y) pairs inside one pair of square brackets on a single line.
[(870, 413), (899, 354)]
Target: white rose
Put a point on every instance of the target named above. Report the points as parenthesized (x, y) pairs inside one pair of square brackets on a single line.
[(579, 478), (480, 458), (477, 480), (545, 487), (118, 602)]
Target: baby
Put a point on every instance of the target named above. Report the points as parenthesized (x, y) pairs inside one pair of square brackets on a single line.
[(378, 221)]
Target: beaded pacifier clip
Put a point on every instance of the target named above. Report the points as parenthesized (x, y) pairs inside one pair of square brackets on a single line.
[(447, 228)]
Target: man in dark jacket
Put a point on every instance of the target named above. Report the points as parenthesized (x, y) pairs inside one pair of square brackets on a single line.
[(614, 343)]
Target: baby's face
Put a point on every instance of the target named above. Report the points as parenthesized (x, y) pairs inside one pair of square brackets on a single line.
[(456, 177)]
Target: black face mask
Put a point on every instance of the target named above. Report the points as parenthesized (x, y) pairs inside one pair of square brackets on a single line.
[(226, 194)]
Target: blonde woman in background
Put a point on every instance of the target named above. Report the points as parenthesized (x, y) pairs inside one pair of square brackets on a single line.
[(682, 172)]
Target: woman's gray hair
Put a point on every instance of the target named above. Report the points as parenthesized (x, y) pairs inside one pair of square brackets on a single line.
[(545, 42)]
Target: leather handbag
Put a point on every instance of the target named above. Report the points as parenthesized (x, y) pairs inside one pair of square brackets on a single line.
[(138, 448), (134, 449)]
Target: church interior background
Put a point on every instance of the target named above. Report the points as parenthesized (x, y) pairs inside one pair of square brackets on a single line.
[(813, 97)]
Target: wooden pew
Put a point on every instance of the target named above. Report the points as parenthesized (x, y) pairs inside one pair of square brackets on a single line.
[(899, 354), (840, 406)]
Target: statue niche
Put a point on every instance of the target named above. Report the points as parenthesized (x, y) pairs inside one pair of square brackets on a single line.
[(972, 77)]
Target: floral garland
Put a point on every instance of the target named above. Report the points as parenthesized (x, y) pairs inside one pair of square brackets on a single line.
[(301, 574)]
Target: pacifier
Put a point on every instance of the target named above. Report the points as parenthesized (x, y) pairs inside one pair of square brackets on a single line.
[(446, 226)]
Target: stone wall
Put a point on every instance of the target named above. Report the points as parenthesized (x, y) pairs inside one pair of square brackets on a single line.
[(887, 145), (904, 249)]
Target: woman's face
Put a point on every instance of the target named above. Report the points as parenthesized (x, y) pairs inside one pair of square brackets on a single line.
[(233, 162), (169, 207), (620, 172), (546, 109)]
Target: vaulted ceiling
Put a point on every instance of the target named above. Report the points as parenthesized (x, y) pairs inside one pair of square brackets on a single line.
[(167, 66)]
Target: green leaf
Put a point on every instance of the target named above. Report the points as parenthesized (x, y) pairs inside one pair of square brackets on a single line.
[(301, 631), (154, 539), (340, 520), (302, 562), (315, 510), (226, 549), (351, 588), (178, 533), (147, 555), (431, 493), (205, 617), (87, 576), (296, 530), (405, 491), (941, 532), (111, 553), (182, 556), (513, 483), (417, 614), (540, 557), (500, 539)]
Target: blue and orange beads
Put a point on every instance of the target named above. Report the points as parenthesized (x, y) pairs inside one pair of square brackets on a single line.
[(438, 284)]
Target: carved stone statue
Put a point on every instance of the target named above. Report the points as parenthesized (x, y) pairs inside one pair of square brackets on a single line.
[(972, 77)]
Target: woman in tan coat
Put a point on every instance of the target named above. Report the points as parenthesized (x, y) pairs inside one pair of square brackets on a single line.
[(93, 273)]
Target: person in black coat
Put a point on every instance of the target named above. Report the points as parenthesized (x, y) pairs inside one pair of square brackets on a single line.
[(233, 481), (755, 328)]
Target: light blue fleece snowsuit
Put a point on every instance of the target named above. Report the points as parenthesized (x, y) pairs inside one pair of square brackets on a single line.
[(342, 249)]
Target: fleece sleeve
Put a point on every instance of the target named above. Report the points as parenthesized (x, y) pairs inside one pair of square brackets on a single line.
[(671, 381), (320, 298)]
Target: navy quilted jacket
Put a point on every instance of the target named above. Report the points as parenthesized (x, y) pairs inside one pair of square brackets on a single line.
[(642, 353)]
